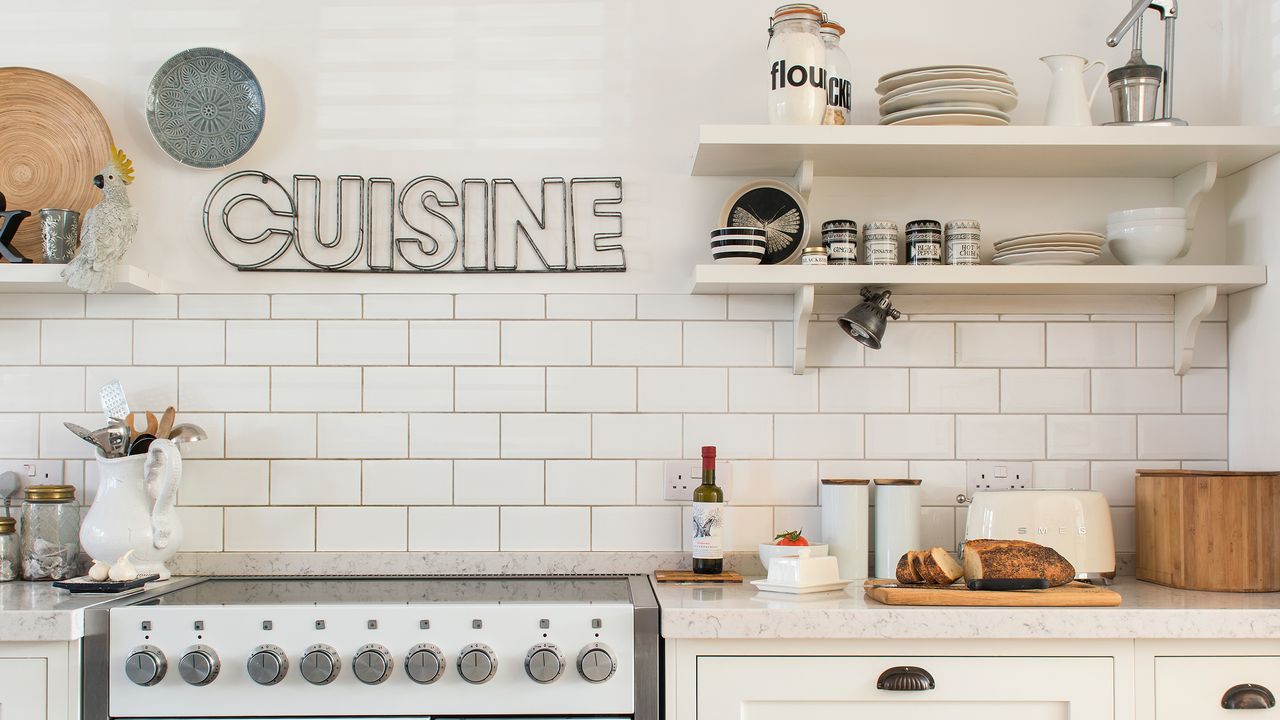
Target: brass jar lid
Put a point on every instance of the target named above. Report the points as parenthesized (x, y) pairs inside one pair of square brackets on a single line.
[(844, 481), (897, 481), (51, 493), (7, 525)]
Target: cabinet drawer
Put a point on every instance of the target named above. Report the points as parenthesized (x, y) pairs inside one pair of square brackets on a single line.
[(831, 688), (1192, 688), (23, 688)]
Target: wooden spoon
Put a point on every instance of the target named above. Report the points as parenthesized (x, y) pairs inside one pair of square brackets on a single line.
[(166, 422)]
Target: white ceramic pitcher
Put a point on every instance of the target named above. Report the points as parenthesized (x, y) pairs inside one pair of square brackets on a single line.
[(133, 509), (1069, 104)]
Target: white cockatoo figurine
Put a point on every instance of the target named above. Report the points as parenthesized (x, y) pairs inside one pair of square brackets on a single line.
[(107, 230)]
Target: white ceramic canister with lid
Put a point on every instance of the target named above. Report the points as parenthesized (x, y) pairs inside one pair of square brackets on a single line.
[(796, 67), (839, 73), (845, 516), (897, 523)]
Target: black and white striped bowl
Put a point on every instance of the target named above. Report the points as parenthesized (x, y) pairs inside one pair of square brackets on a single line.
[(738, 246)]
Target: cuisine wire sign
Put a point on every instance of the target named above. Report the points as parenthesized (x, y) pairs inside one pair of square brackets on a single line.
[(255, 223)]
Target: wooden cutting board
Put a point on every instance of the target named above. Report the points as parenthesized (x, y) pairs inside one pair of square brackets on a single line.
[(1076, 594), (728, 576)]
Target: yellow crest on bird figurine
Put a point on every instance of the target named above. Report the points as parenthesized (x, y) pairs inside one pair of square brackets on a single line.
[(124, 165)]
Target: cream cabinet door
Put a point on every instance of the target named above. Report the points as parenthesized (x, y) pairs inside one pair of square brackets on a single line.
[(840, 688), (1193, 688), (23, 689)]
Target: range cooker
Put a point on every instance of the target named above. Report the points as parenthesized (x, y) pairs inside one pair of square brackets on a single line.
[(428, 647)]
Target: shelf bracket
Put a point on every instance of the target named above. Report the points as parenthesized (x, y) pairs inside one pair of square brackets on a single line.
[(804, 179), (801, 314), (1189, 308), (1189, 189)]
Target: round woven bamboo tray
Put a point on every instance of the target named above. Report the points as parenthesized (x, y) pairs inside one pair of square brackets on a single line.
[(54, 142)]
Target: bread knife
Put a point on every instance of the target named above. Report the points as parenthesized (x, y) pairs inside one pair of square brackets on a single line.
[(1009, 584)]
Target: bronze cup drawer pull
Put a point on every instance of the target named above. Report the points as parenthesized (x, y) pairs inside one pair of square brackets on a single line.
[(905, 679), (1248, 697)]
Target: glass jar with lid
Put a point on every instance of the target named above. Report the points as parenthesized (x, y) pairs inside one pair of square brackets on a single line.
[(50, 533), (9, 551), (839, 74), (796, 66)]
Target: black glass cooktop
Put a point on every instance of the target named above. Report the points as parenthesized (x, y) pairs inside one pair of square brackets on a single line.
[(399, 591)]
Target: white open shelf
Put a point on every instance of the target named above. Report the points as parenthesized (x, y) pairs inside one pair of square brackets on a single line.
[(1195, 287), (47, 278)]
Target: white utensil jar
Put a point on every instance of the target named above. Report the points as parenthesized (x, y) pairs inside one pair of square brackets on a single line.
[(797, 67), (845, 517), (897, 523)]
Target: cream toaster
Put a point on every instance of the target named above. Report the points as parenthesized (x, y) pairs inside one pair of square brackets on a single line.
[(1076, 523)]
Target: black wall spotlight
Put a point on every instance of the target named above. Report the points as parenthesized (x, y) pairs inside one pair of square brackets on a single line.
[(866, 321)]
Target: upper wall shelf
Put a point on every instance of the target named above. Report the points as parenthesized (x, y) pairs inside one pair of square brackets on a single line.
[(47, 278), (1014, 151)]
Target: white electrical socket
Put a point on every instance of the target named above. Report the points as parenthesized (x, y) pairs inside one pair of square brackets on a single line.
[(32, 472), (680, 477), (988, 475)]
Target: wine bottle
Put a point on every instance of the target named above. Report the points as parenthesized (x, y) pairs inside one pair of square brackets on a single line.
[(708, 519)]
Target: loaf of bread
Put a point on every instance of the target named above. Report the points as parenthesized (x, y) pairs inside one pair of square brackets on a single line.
[(905, 573), (934, 567), (1015, 559)]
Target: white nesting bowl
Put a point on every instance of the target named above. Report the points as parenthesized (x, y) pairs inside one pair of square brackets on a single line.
[(769, 551), (1147, 242), (1151, 213)]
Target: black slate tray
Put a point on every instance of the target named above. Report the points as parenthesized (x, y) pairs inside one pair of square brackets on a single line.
[(85, 585)]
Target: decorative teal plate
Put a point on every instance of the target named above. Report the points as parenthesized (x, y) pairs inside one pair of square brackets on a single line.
[(205, 107)]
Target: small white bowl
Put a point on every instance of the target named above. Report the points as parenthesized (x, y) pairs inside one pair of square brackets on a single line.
[(803, 571), (769, 551), (1147, 242), (1151, 213)]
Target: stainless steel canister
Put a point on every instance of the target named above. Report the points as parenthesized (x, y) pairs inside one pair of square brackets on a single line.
[(60, 234), (1134, 91)]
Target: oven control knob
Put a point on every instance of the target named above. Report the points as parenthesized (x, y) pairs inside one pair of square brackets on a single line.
[(145, 665), (199, 665), (372, 664), (424, 664), (268, 665), (476, 663), (320, 664), (596, 663), (544, 663)]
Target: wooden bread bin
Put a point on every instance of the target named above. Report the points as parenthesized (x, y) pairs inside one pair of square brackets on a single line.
[(1200, 530)]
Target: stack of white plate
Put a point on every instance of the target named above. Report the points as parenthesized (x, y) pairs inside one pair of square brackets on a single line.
[(946, 95), (1056, 248)]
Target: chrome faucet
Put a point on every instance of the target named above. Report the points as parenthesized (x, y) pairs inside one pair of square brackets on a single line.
[(1133, 21)]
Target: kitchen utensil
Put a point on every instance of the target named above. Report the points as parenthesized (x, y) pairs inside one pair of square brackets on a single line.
[(187, 433), (689, 576), (151, 428), (114, 404), (1076, 523), (54, 140), (1135, 93), (769, 551), (1006, 584), (1202, 530), (1076, 594), (59, 234), (86, 435), (79, 585), (116, 436), (1069, 104), (140, 443), (1148, 242), (845, 523), (897, 522), (133, 509), (205, 107), (166, 422), (1001, 100), (776, 208)]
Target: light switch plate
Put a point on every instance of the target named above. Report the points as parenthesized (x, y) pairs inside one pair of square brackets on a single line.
[(996, 475), (29, 472), (680, 477)]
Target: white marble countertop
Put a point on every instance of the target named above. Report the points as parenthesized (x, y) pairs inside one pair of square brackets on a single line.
[(39, 612), (733, 611)]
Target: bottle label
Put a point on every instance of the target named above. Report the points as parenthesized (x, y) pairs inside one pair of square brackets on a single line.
[(708, 531)]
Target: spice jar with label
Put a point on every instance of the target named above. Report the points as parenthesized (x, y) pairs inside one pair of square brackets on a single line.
[(839, 71), (924, 242), (964, 239), (841, 239), (50, 533), (880, 243), (797, 66), (9, 550), (814, 256)]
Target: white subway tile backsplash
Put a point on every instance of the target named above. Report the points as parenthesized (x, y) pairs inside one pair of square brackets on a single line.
[(363, 342), (500, 389), (830, 436), (21, 344), (1211, 345), (641, 529), (938, 527), (58, 442), (1000, 344), (591, 307), (214, 425), (414, 389), (453, 435), (269, 529), (913, 437), (1155, 345), (224, 307), (1124, 525), (1090, 345), (760, 307), (773, 482), (271, 342), (1182, 437), (940, 480), (1136, 391), (316, 389), (767, 390), (562, 435), (806, 519), (864, 389), (453, 342), (88, 342), (728, 343), (636, 342), (146, 387), (680, 307), (591, 482), (315, 482), (363, 435), (545, 528), (915, 344), (315, 307), (179, 342), (591, 389), (20, 435), (201, 529), (263, 435), (863, 469), (407, 482), (408, 307), (828, 346), (953, 390), (736, 436), (1091, 437), (224, 389), (361, 529), (131, 306), (683, 389), (493, 482), (453, 529), (636, 436), (43, 305), (546, 342), (225, 482), (499, 307), (1062, 474), (42, 389), (1204, 390), (1044, 391), (1115, 479), (1000, 437)]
